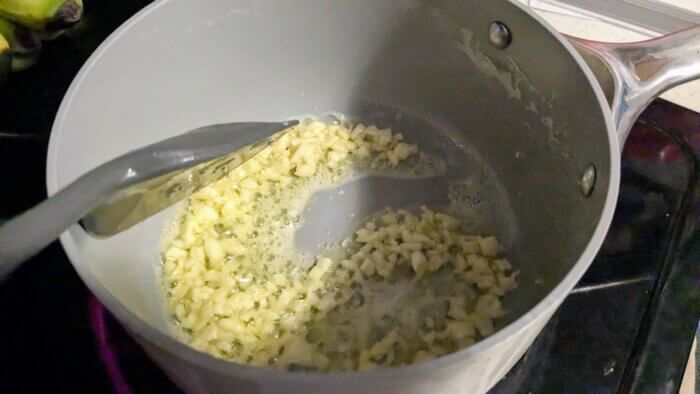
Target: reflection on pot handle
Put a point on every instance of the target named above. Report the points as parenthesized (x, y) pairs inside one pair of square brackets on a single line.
[(634, 74)]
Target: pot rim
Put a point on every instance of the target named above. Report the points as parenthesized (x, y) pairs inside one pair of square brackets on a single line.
[(165, 342)]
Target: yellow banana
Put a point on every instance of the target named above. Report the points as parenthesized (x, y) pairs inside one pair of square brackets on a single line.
[(5, 57), (4, 44), (46, 15)]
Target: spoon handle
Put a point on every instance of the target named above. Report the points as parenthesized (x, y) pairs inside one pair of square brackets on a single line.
[(122, 192), (28, 233)]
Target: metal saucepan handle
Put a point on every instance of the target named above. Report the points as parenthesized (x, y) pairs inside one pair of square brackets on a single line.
[(634, 74)]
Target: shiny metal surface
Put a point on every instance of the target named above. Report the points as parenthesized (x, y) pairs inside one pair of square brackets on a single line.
[(636, 73), (499, 35), (587, 181)]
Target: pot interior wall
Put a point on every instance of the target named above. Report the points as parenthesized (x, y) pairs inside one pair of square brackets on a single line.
[(517, 126)]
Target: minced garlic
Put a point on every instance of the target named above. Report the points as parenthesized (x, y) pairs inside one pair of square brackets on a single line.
[(410, 287)]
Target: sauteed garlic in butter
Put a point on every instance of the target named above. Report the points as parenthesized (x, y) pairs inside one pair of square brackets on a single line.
[(408, 285)]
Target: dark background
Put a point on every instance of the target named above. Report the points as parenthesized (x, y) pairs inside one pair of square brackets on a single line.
[(46, 342)]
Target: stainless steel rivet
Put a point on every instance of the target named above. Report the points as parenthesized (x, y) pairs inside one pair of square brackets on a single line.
[(499, 34), (587, 181)]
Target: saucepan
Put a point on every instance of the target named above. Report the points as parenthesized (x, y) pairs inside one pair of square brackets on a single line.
[(541, 117)]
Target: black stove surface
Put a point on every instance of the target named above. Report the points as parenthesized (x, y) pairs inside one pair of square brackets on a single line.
[(628, 325)]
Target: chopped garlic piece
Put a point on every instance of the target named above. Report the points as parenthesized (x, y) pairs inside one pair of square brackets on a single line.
[(235, 291)]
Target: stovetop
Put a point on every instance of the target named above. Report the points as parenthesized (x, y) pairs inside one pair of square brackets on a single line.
[(628, 325)]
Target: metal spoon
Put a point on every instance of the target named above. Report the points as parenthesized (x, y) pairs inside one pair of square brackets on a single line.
[(122, 192)]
